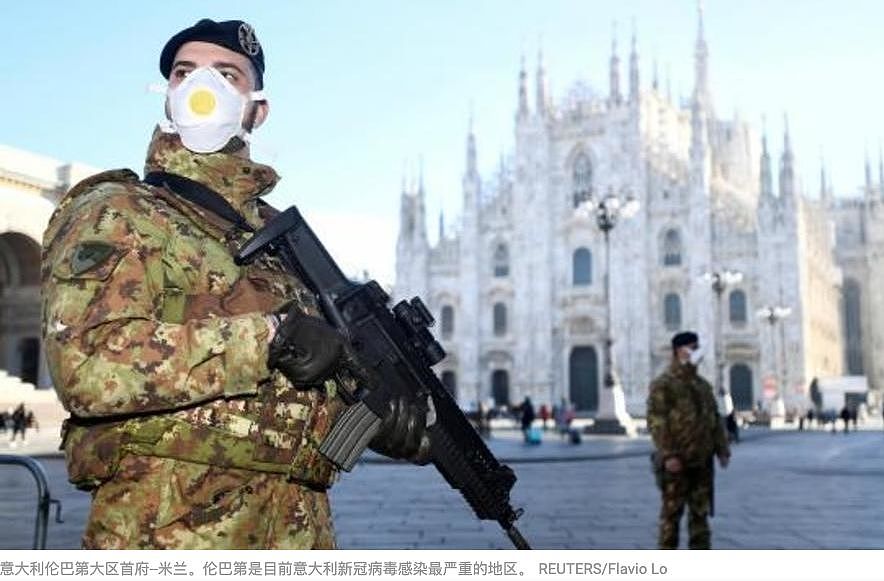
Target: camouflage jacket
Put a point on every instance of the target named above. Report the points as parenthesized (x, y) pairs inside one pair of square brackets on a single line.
[(157, 342), (683, 416)]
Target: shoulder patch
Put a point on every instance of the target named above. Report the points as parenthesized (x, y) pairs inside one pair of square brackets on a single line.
[(89, 255)]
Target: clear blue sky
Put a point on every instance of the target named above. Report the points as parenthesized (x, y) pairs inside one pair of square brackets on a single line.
[(361, 89)]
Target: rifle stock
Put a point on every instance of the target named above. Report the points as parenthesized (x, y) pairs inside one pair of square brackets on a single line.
[(398, 350)]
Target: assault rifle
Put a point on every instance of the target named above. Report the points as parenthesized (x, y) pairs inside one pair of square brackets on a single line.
[(398, 350)]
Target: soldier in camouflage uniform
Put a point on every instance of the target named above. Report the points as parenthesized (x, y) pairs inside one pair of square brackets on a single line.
[(684, 423), (189, 425)]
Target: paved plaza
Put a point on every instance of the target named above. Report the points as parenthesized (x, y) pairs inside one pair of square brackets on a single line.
[(784, 489)]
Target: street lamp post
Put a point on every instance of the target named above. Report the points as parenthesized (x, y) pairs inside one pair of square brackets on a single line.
[(773, 315), (719, 281), (612, 417)]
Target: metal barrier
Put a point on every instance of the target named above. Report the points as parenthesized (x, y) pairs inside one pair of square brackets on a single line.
[(44, 500)]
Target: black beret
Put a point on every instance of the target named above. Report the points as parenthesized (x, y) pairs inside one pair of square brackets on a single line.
[(684, 338), (234, 35)]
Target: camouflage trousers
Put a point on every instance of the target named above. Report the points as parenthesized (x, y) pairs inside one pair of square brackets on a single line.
[(160, 503), (693, 486)]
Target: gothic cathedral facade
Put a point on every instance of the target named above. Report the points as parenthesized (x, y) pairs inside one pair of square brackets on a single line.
[(518, 289)]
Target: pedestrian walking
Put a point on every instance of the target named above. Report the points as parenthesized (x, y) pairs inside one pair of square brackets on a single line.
[(527, 418), (570, 414), (560, 412), (19, 425), (687, 433), (733, 428), (845, 417), (544, 414), (31, 422)]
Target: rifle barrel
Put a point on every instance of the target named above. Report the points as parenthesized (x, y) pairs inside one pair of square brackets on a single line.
[(516, 537)]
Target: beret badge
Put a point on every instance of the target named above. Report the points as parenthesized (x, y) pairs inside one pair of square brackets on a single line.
[(248, 41)]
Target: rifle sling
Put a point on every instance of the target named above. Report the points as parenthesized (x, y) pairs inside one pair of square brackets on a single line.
[(200, 195)]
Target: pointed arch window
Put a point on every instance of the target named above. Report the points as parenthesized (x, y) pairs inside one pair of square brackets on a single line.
[(737, 307), (582, 267), (581, 179), (501, 261), (672, 248), (672, 311), (499, 319), (852, 315), (447, 321)]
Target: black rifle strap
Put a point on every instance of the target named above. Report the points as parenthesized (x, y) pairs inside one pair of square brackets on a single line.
[(198, 194)]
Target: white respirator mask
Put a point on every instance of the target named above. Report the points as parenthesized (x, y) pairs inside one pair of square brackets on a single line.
[(696, 356), (207, 110)]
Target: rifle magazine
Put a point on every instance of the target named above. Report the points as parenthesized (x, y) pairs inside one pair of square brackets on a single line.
[(350, 436)]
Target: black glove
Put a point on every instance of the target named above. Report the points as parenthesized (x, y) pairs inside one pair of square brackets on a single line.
[(403, 432), (305, 349)]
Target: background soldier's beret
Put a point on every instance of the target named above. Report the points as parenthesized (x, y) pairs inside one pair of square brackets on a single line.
[(684, 338), (235, 35)]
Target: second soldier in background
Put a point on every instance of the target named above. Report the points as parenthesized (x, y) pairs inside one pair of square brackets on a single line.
[(687, 432)]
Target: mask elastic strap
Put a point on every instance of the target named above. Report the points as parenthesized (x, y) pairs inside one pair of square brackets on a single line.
[(258, 95), (167, 126), (160, 88)]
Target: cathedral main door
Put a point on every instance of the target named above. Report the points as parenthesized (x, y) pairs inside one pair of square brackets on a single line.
[(741, 386), (500, 388), (583, 378)]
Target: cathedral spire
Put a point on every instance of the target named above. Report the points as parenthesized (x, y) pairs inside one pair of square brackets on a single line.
[(824, 183), (699, 132), (787, 164), (541, 84), (472, 184), (766, 177), (523, 91), (880, 171), (404, 178), (472, 168), (787, 142), (421, 210), (656, 82), (868, 174), (407, 208), (701, 62), (420, 176), (634, 87), (441, 225), (614, 98), (412, 182)]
